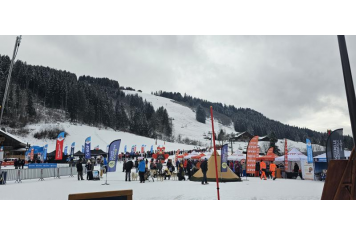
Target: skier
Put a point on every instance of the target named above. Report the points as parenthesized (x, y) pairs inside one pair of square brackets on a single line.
[(204, 169), (263, 168)]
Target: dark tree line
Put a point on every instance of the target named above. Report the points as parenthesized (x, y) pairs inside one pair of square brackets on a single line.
[(246, 119), (88, 100)]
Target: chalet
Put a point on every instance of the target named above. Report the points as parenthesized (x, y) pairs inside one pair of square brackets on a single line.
[(13, 147)]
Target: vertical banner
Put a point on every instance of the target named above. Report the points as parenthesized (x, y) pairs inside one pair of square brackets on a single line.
[(309, 151), (44, 154), (32, 153), (59, 146), (125, 149), (335, 146), (113, 155), (151, 148), (132, 150), (143, 148), (1, 153), (97, 147), (135, 148), (82, 148), (224, 154), (87, 148), (286, 168), (72, 150), (253, 152), (66, 150)]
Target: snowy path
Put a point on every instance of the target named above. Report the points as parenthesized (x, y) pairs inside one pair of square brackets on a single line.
[(173, 190)]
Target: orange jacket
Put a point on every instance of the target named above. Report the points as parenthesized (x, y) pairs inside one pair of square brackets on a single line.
[(185, 163), (263, 165), (272, 167)]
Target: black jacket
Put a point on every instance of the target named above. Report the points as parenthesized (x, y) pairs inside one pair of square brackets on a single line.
[(296, 168), (79, 167), (128, 166), (204, 166)]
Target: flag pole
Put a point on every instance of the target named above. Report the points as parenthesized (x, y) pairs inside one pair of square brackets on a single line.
[(216, 164)]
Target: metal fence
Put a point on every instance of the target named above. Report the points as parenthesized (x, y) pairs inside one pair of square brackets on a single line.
[(36, 173)]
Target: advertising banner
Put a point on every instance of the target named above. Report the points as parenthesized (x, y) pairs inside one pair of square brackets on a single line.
[(286, 168), (66, 150), (309, 151), (113, 155), (125, 149), (335, 146), (1, 153), (32, 153), (44, 154), (97, 147), (82, 148), (224, 155), (151, 148), (253, 152), (59, 146), (42, 166), (143, 148), (87, 148), (308, 170), (72, 147)]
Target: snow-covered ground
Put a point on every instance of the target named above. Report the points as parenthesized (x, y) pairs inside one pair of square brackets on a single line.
[(254, 189)]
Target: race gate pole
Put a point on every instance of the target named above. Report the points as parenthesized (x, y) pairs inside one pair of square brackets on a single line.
[(216, 164), (41, 178)]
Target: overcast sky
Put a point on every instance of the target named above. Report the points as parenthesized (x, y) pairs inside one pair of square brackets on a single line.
[(297, 80)]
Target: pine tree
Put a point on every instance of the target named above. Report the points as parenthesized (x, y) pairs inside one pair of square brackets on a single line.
[(200, 114), (273, 140), (30, 108)]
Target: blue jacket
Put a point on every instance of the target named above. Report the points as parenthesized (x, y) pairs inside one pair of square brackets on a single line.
[(142, 166)]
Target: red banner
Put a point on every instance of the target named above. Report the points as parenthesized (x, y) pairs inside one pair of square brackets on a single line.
[(253, 152), (31, 154), (59, 146), (285, 156), (7, 163)]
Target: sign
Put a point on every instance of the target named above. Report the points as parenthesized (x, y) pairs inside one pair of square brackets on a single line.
[(8, 163), (72, 150), (109, 195), (143, 148), (66, 150), (286, 156), (309, 151), (113, 155), (87, 148), (308, 170), (45, 152), (42, 166), (335, 146), (224, 154), (253, 152), (59, 146), (1, 153), (32, 153), (124, 149)]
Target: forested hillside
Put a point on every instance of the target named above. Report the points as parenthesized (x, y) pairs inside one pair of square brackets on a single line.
[(88, 100), (246, 119)]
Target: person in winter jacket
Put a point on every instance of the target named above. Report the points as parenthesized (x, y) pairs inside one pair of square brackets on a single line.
[(185, 165), (80, 170), (263, 169), (159, 166), (128, 168), (189, 167), (204, 169), (177, 164), (243, 165), (123, 166), (272, 168), (136, 165), (237, 168), (142, 170), (89, 167), (181, 172)]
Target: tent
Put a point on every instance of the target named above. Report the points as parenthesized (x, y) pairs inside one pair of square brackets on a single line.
[(228, 176), (293, 155), (236, 156)]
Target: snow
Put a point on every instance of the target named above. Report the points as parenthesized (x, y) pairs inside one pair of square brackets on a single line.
[(253, 189)]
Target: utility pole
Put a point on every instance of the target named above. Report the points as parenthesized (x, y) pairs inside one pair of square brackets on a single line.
[(16, 48)]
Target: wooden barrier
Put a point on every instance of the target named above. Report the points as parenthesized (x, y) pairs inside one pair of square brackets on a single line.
[(108, 195), (340, 182)]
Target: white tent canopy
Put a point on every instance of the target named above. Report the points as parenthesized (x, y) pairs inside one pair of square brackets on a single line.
[(323, 155), (236, 156), (293, 155)]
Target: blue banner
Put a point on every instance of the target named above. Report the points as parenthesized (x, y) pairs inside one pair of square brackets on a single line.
[(42, 166), (72, 150), (151, 148), (309, 151), (132, 150), (125, 149), (65, 150), (44, 154), (224, 154), (113, 155), (82, 148), (87, 148)]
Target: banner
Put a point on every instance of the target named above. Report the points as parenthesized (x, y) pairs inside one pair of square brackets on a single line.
[(72, 147), (32, 153), (113, 155), (309, 151), (97, 147), (1, 153), (44, 154), (59, 146), (286, 168), (87, 148), (307, 170), (253, 152), (125, 149), (42, 166), (65, 150), (135, 148), (151, 149), (132, 150), (143, 148), (335, 146), (224, 154), (82, 148)]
